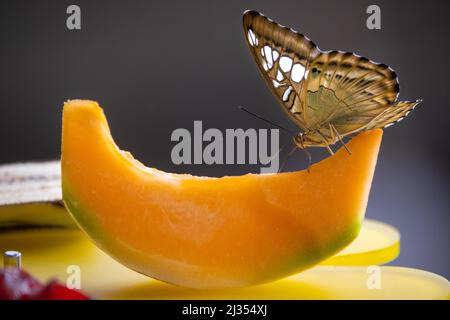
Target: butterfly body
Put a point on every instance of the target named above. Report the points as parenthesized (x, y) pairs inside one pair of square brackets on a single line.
[(328, 95)]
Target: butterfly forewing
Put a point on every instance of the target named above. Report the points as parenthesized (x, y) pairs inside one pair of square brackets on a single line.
[(283, 57)]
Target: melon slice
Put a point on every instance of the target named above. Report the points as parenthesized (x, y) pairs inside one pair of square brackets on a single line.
[(210, 232)]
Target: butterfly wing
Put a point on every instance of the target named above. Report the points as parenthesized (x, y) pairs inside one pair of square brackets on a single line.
[(393, 114), (347, 91), (282, 56)]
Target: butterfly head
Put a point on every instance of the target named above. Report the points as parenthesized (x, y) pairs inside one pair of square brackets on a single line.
[(299, 140), (310, 139)]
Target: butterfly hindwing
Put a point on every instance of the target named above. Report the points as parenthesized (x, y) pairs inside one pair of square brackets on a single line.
[(347, 91), (283, 56), (393, 114)]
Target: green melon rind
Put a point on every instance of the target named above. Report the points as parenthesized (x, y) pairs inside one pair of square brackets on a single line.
[(315, 256)]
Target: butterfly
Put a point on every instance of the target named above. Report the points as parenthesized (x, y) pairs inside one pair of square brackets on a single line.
[(328, 94)]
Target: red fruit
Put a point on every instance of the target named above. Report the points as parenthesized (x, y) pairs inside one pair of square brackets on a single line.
[(56, 291), (16, 284)]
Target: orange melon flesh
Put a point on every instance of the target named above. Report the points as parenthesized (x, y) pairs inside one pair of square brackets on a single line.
[(210, 232)]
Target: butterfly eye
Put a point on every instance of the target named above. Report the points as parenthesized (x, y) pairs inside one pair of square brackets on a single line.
[(298, 139)]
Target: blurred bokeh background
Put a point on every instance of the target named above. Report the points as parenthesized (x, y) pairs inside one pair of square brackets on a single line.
[(158, 66)]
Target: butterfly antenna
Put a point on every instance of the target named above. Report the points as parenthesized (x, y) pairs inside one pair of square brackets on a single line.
[(265, 120)]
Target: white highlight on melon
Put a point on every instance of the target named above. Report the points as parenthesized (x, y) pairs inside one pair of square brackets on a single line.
[(285, 63), (287, 93), (297, 73)]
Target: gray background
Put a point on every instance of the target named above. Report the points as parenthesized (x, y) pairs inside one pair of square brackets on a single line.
[(158, 66)]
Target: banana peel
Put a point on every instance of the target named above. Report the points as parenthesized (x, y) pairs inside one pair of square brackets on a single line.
[(30, 196)]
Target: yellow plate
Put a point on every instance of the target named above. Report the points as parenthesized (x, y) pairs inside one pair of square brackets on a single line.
[(319, 283), (51, 253), (377, 243)]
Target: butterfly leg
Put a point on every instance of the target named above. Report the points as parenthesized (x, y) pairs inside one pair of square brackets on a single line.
[(287, 157), (335, 132), (309, 159), (330, 151), (291, 153)]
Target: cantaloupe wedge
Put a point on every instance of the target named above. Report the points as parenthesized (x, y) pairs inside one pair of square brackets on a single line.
[(210, 232)]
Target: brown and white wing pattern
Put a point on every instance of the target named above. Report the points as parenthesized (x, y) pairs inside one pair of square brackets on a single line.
[(327, 94), (347, 91), (393, 114), (283, 57)]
